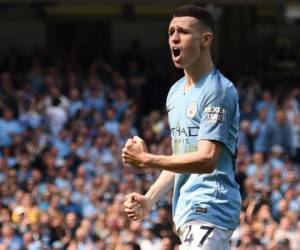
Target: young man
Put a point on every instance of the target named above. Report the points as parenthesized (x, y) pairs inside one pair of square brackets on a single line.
[(204, 120)]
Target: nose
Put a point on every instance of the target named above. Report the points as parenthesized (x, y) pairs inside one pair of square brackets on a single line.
[(175, 37)]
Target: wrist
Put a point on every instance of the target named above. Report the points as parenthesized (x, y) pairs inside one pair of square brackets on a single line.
[(150, 200), (145, 162)]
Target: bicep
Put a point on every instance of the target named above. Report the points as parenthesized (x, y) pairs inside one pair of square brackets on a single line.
[(210, 149)]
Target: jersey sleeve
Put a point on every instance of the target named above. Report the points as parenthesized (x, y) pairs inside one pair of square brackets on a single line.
[(215, 117)]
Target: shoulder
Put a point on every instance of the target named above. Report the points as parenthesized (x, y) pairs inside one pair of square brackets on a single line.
[(219, 88), (222, 86)]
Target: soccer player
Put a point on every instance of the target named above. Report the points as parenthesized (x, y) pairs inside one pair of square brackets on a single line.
[(204, 121)]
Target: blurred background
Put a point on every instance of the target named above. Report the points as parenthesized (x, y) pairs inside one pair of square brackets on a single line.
[(78, 78)]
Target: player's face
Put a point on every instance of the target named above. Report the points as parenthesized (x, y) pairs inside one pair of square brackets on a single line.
[(185, 41)]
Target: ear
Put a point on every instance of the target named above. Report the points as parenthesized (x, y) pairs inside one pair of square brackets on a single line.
[(206, 40)]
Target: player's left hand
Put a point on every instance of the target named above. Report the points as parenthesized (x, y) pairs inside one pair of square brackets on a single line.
[(134, 152)]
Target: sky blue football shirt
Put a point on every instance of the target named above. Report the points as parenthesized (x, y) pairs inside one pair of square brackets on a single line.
[(208, 111)]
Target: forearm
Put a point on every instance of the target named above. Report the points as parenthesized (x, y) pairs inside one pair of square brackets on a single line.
[(161, 186), (203, 160), (194, 162)]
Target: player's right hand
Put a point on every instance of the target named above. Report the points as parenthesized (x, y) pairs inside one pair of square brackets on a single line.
[(136, 206)]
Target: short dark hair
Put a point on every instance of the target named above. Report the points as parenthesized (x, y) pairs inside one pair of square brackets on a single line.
[(55, 101), (198, 12)]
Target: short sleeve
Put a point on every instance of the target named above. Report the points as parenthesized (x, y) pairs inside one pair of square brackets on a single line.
[(215, 118)]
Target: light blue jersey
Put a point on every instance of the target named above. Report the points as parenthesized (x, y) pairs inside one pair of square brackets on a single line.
[(208, 111)]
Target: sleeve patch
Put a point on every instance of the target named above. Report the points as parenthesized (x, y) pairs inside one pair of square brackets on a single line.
[(214, 114)]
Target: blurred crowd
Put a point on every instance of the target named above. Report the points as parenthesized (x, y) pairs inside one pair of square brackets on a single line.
[(268, 167), (62, 182)]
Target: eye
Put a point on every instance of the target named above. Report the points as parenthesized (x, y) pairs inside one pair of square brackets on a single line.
[(184, 31), (171, 32)]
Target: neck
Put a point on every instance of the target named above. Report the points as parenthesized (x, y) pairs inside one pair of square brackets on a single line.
[(198, 69)]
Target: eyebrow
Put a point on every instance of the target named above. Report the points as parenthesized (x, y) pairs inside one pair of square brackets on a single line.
[(180, 28)]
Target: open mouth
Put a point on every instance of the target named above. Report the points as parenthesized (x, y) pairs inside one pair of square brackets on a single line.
[(176, 52)]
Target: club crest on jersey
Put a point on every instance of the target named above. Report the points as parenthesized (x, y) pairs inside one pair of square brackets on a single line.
[(191, 110)]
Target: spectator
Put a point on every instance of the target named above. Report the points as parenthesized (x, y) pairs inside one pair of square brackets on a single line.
[(267, 103), (245, 135), (260, 131), (54, 92), (149, 241), (111, 125), (56, 115), (76, 103), (247, 239), (81, 242), (295, 134), (259, 170), (9, 238), (281, 132), (9, 126)]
